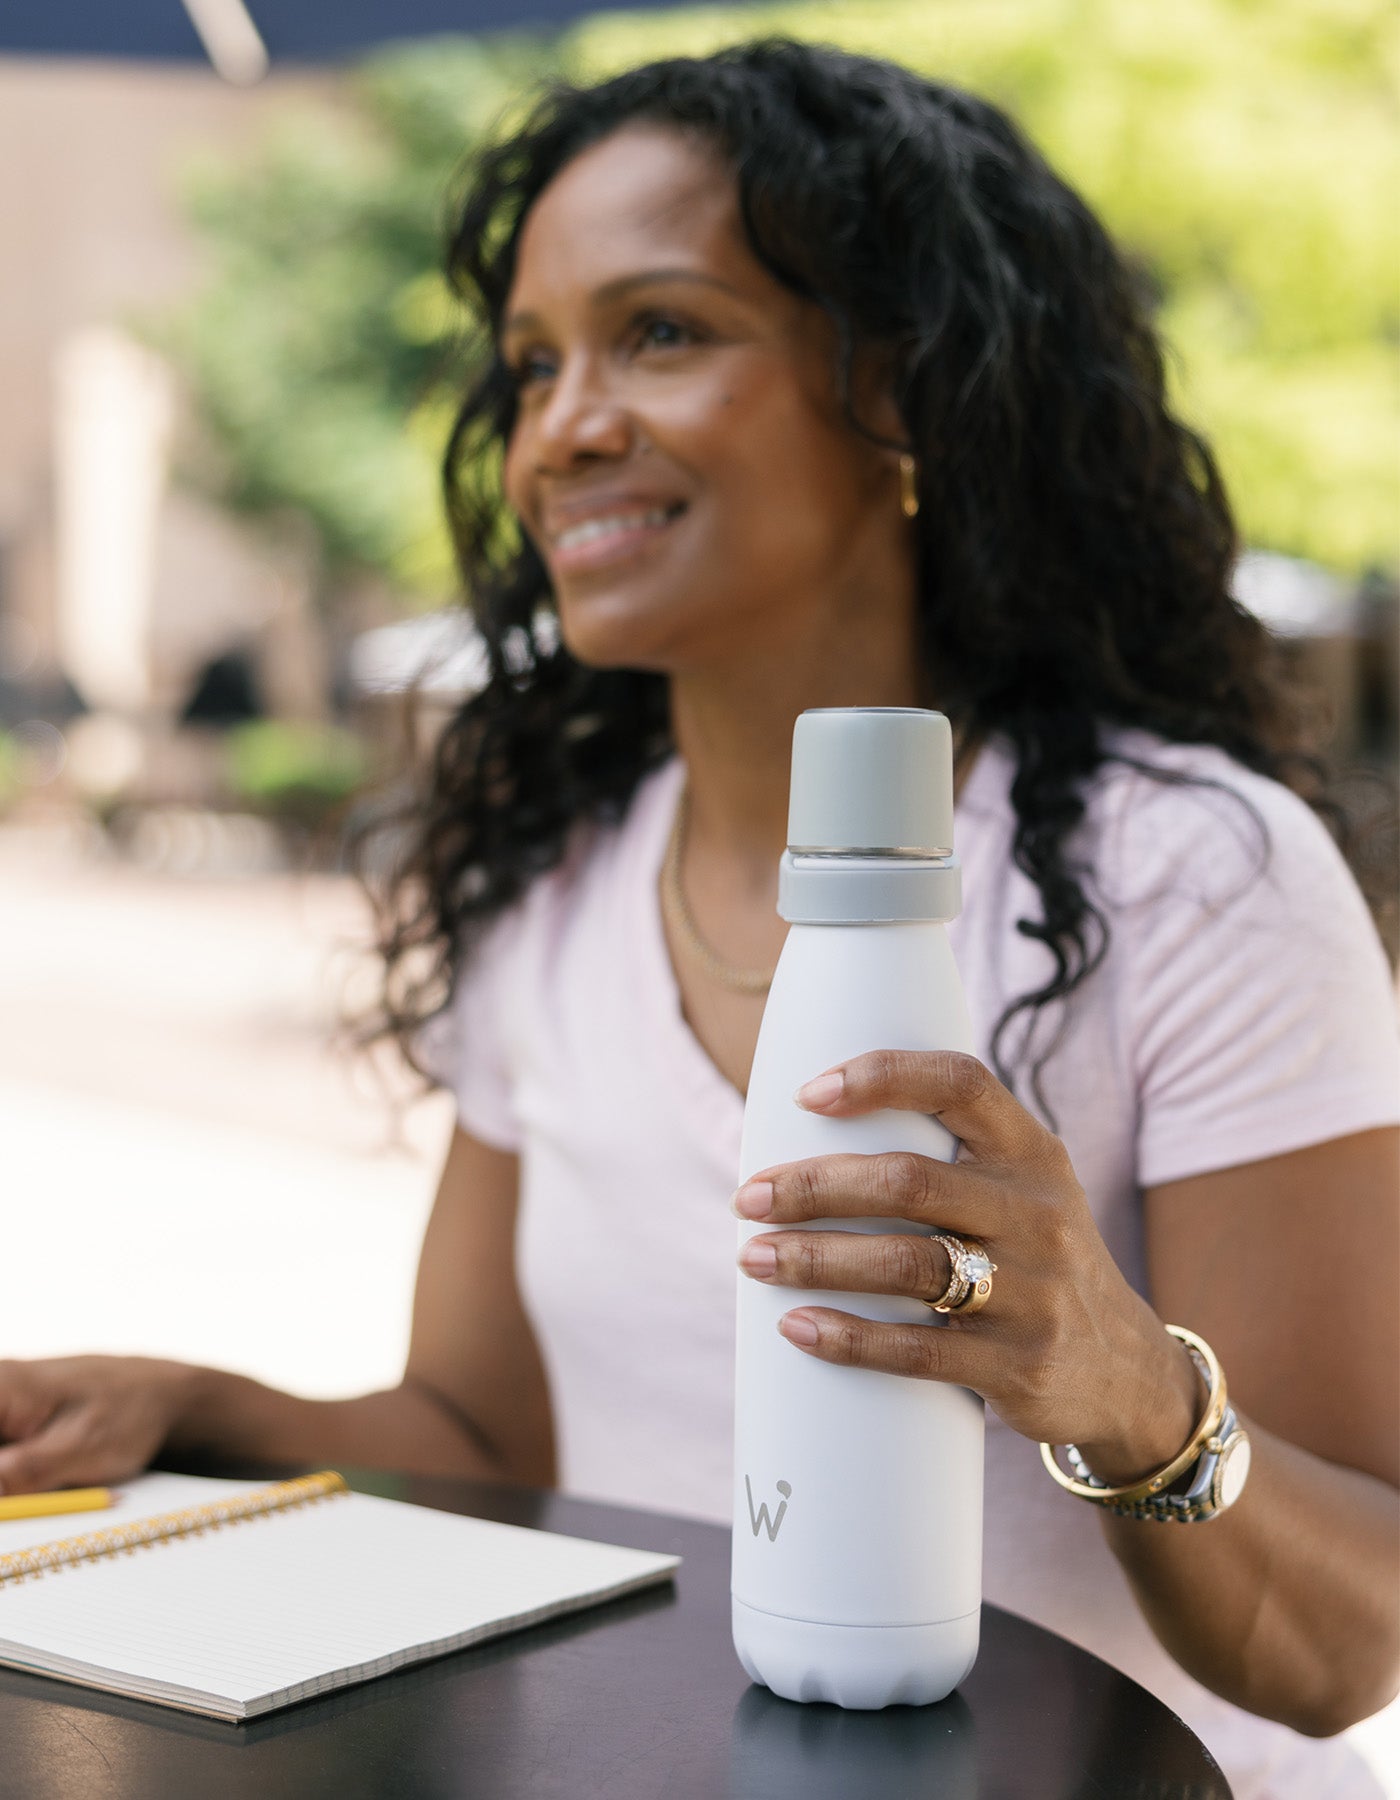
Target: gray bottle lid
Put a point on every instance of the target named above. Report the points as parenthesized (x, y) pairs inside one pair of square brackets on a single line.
[(873, 779)]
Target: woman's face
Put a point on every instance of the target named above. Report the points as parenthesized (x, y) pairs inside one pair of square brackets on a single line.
[(681, 458)]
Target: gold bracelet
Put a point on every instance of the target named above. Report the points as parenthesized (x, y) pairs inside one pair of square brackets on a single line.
[(1167, 1474)]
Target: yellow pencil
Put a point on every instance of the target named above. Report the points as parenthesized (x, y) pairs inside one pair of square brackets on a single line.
[(70, 1500)]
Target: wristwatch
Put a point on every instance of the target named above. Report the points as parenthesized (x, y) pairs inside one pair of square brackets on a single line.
[(1200, 1482), (1215, 1483)]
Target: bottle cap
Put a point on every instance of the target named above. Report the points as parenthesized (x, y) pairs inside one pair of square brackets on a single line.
[(876, 780)]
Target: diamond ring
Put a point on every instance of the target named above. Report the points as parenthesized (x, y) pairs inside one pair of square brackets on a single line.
[(970, 1272)]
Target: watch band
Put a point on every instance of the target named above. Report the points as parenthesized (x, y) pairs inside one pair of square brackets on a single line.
[(1213, 1463), (1205, 1497)]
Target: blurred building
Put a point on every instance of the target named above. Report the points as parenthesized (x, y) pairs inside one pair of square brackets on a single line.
[(124, 602)]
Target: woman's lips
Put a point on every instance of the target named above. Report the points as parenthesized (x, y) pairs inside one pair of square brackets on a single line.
[(607, 539)]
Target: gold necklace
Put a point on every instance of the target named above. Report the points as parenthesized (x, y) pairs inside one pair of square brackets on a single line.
[(741, 981)]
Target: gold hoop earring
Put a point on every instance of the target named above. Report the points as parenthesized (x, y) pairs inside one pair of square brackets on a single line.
[(908, 486)]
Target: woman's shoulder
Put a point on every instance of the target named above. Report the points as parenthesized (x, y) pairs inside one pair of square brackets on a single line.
[(1185, 831), (1153, 803), (600, 857), (1192, 818), (560, 910), (1140, 767), (1252, 994)]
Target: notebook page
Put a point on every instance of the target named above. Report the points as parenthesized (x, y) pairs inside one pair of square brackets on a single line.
[(140, 1498), (287, 1605)]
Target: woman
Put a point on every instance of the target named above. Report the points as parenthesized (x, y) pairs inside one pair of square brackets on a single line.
[(809, 384)]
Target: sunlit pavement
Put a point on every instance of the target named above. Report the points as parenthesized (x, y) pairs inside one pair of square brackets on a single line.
[(185, 1167)]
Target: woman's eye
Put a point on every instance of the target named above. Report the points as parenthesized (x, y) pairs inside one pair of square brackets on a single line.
[(526, 370), (657, 331), (652, 331)]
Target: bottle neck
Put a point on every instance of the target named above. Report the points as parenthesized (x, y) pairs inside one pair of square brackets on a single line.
[(852, 888)]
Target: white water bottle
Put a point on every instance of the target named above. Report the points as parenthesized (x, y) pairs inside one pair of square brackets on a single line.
[(858, 1495)]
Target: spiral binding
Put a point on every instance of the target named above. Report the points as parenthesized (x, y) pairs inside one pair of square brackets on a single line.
[(188, 1521)]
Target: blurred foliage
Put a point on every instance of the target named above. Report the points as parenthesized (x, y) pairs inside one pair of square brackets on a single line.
[(320, 350), (11, 770), (1245, 150), (294, 770)]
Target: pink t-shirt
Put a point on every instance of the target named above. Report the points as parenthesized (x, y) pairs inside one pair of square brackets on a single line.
[(1241, 1012)]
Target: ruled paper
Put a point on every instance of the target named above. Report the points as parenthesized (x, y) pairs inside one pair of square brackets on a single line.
[(274, 1609)]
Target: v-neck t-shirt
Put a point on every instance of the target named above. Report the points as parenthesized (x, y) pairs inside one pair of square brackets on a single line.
[(1243, 1009)]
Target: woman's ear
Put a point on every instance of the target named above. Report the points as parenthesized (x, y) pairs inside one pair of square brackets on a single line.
[(872, 398)]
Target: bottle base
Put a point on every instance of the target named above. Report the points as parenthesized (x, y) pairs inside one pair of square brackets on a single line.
[(863, 1667)]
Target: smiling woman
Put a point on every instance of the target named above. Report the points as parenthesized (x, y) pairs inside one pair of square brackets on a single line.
[(805, 382), (643, 336)]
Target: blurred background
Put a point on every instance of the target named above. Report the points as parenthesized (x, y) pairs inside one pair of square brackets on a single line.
[(228, 361)]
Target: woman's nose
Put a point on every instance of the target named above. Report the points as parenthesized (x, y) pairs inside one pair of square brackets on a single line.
[(582, 419)]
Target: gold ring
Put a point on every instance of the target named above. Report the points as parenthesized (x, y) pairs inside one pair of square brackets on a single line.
[(970, 1272)]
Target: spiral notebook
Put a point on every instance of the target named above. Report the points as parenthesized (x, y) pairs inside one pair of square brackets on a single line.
[(245, 1599)]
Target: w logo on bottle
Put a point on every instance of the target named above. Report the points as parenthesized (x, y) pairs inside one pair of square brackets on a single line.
[(774, 1525)]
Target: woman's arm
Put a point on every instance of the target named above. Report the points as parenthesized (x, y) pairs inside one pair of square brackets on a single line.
[(1285, 1604), (473, 1400)]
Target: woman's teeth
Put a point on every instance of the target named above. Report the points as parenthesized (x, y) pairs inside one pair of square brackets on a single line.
[(612, 525)]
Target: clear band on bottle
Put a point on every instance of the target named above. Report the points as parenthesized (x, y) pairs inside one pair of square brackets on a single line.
[(868, 890)]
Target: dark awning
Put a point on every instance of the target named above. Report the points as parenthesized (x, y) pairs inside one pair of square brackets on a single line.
[(239, 36)]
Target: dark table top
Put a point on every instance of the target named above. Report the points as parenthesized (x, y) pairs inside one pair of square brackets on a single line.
[(638, 1700)]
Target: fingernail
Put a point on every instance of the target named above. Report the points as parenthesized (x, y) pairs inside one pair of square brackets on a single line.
[(821, 1092), (754, 1200), (758, 1258), (798, 1329)]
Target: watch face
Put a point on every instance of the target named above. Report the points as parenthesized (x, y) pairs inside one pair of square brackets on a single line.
[(1232, 1470)]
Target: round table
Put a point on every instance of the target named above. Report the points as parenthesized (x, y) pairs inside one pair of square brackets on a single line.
[(638, 1700)]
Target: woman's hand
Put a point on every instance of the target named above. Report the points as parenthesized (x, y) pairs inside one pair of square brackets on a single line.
[(76, 1421), (1064, 1350)]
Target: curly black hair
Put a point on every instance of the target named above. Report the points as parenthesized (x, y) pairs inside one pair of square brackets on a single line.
[(1075, 544)]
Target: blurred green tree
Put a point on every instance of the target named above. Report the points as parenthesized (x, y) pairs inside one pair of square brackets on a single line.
[(1245, 150), (294, 770), (321, 350)]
